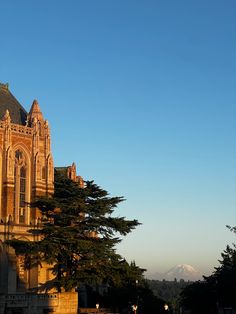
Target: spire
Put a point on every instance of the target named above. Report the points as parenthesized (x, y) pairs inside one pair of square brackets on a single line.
[(4, 86), (35, 112)]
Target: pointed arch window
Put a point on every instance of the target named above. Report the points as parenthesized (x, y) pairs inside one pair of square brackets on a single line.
[(43, 172), (22, 194), (39, 128), (20, 180)]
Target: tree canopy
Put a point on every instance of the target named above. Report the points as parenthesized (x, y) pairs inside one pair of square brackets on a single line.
[(218, 289), (77, 235)]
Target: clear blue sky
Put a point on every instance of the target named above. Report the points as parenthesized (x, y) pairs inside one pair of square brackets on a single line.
[(141, 95)]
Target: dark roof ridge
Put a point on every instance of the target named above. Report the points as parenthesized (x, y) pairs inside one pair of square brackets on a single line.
[(14, 97), (8, 102)]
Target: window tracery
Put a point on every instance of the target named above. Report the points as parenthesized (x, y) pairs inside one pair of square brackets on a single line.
[(20, 187)]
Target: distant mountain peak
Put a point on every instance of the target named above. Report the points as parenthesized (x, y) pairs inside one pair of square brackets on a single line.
[(180, 271), (184, 268)]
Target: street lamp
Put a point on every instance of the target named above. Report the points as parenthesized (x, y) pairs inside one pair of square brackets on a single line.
[(136, 291), (134, 308), (166, 307)]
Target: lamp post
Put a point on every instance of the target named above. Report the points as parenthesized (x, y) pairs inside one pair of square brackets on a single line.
[(134, 308), (136, 291)]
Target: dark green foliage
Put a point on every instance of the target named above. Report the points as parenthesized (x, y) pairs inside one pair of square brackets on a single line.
[(168, 290), (129, 279), (132, 289), (217, 290), (78, 235), (224, 277), (199, 298)]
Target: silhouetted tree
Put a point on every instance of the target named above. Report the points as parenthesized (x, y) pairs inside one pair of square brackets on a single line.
[(217, 290), (78, 235), (134, 292)]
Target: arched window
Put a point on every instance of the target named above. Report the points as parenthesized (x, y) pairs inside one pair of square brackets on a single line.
[(22, 194), (43, 172), (40, 128), (20, 187), (19, 156)]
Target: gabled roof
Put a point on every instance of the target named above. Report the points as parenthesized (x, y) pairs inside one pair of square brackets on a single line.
[(8, 102)]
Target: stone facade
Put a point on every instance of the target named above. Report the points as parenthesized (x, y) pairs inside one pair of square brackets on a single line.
[(57, 303), (26, 171)]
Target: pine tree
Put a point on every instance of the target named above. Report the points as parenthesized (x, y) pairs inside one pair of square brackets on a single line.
[(78, 235)]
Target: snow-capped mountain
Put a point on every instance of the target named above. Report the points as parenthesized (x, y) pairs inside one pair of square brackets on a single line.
[(181, 271)]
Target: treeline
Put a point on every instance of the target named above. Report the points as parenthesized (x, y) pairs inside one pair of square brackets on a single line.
[(169, 291)]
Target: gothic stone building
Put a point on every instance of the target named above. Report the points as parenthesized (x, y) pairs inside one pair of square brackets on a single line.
[(26, 171)]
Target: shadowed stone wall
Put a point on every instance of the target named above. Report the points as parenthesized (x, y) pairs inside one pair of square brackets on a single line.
[(57, 303)]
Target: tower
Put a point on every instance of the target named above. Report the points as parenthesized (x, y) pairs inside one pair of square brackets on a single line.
[(26, 171)]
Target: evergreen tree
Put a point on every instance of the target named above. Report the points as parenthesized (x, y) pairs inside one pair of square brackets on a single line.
[(218, 289), (133, 289), (78, 234)]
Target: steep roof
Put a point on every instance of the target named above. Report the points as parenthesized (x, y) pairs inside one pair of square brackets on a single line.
[(8, 101), (62, 170)]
